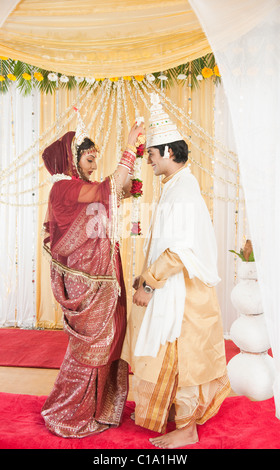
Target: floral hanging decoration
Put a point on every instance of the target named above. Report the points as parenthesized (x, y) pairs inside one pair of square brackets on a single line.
[(28, 76), (136, 190)]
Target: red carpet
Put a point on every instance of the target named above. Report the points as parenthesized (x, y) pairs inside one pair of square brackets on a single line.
[(240, 424), (32, 348), (46, 348)]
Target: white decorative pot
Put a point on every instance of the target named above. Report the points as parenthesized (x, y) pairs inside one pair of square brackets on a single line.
[(246, 296), (251, 373), (247, 270), (250, 334)]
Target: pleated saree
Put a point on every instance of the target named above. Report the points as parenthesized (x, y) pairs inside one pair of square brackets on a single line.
[(87, 280)]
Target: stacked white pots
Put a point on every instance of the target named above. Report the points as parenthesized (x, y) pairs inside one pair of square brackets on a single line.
[(251, 372)]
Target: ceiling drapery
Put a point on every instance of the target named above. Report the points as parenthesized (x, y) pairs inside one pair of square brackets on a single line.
[(103, 38)]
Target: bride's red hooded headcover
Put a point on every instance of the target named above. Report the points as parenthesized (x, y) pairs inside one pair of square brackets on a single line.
[(59, 156)]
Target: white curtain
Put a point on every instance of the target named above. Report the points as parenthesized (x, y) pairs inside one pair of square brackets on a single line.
[(245, 38), (229, 211), (6, 8), (19, 121)]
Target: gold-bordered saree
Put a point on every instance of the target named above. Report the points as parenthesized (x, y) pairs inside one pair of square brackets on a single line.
[(86, 277)]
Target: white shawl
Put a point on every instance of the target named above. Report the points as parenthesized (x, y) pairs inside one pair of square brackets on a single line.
[(181, 222)]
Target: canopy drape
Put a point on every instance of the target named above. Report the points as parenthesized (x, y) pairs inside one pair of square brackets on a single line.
[(248, 58), (103, 38)]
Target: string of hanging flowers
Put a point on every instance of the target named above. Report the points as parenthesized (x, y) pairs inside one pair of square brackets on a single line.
[(137, 191)]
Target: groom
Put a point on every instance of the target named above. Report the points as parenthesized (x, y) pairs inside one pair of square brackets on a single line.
[(174, 341)]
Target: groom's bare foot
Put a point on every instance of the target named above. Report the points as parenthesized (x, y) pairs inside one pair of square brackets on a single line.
[(178, 438)]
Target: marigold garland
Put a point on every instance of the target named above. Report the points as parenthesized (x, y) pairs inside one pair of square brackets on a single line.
[(207, 72), (38, 76), (28, 76), (11, 77), (216, 71)]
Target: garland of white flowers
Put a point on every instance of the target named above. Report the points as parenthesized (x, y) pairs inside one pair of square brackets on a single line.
[(28, 77), (99, 98)]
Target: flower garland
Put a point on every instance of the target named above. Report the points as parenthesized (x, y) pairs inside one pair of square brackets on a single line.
[(28, 77), (136, 191)]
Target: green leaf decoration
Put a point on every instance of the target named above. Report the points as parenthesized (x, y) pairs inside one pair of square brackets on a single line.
[(238, 254), (241, 256), (251, 257), (191, 70)]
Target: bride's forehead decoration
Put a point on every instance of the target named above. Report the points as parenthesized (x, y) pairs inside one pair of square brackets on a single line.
[(80, 135)]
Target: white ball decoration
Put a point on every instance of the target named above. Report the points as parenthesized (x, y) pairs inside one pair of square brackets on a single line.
[(246, 297), (252, 371), (252, 375), (249, 333)]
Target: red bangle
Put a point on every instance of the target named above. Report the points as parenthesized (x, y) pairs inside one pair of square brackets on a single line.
[(127, 160)]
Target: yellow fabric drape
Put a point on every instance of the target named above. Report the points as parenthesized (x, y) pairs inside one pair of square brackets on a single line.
[(103, 38), (199, 102)]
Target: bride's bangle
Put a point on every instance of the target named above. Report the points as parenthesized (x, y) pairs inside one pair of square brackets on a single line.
[(127, 160)]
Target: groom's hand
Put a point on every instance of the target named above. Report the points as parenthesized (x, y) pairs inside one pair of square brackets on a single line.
[(136, 282), (142, 298)]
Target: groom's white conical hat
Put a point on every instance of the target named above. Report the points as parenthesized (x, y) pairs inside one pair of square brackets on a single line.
[(161, 129)]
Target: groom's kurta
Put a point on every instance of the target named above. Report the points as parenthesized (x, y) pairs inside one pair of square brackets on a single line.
[(201, 350)]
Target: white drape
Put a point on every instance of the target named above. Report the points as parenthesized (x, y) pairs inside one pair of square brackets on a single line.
[(229, 211), (6, 7), (19, 122), (245, 38)]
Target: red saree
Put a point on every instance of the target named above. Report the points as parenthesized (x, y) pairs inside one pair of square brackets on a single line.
[(86, 276)]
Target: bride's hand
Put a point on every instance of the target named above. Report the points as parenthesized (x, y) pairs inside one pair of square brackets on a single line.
[(134, 132)]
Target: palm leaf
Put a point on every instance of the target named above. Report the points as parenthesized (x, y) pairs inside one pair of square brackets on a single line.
[(238, 254)]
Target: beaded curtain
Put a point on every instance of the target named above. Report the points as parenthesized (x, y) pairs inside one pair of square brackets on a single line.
[(108, 110)]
